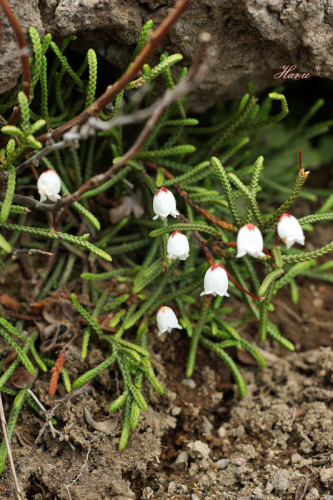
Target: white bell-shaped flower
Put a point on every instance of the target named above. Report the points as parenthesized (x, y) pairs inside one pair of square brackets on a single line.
[(289, 230), (164, 204), (48, 186), (166, 320), (178, 246), (250, 240), (216, 281)]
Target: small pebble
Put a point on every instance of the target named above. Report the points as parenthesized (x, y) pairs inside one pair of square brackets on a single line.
[(198, 450), (280, 480), (223, 463), (189, 382), (181, 460), (206, 426), (312, 495), (147, 493), (269, 488), (194, 497), (221, 432), (326, 477), (175, 487)]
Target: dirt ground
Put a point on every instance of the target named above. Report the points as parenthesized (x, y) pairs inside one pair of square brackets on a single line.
[(276, 443), (199, 440)]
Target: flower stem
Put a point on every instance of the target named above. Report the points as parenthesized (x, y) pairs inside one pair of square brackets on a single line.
[(243, 289)]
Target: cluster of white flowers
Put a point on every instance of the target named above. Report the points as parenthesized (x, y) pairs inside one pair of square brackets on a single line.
[(249, 241)]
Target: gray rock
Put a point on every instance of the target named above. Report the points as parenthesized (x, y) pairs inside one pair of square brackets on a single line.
[(181, 460), (198, 450), (280, 480), (175, 487), (275, 33), (223, 463), (27, 14)]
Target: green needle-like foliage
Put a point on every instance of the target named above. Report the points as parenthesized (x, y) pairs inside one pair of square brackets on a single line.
[(217, 176)]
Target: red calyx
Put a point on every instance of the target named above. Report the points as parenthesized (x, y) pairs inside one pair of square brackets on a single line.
[(250, 226), (215, 266), (163, 189), (176, 232)]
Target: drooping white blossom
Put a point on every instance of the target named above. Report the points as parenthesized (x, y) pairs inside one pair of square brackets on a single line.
[(178, 246), (48, 186), (164, 204), (289, 230), (166, 320), (216, 281), (250, 241)]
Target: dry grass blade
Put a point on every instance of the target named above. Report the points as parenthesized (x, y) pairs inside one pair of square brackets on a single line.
[(9, 452)]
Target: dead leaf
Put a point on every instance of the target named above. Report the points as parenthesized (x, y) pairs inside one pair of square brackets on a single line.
[(10, 358), (106, 426), (24, 441), (104, 321), (245, 357), (127, 205), (9, 302), (21, 378), (59, 332)]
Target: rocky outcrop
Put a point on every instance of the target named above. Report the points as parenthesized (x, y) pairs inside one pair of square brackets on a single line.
[(253, 38)]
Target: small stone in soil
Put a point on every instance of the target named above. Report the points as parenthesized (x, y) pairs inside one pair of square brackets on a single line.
[(326, 477), (312, 495), (221, 432), (280, 480), (181, 460), (206, 426), (147, 493), (175, 487), (189, 382), (198, 450), (223, 463), (194, 497)]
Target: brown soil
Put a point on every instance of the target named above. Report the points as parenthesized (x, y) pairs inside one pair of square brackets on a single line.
[(274, 443)]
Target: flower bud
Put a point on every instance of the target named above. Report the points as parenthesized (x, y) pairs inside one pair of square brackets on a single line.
[(216, 281), (289, 230), (250, 240), (164, 204), (178, 246), (48, 186), (166, 320)]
